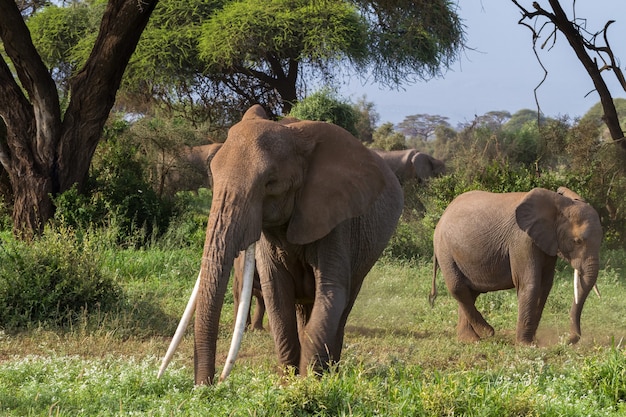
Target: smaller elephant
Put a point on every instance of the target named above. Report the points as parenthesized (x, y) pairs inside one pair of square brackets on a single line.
[(256, 323), (410, 164), (199, 159), (426, 166), (489, 242), (187, 169)]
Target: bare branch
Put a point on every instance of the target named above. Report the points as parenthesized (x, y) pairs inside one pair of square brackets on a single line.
[(575, 35)]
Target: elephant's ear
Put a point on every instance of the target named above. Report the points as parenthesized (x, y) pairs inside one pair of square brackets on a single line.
[(537, 216), (342, 180), (423, 165), (255, 112)]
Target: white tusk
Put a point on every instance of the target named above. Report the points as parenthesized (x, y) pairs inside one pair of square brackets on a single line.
[(576, 281), (597, 291), (182, 326), (242, 312)]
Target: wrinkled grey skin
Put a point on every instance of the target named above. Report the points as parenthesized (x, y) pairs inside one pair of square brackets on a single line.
[(489, 242), (256, 322), (322, 208), (410, 164)]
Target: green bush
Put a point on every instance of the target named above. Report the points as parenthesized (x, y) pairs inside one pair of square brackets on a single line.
[(52, 281), (188, 227), (411, 241), (325, 106), (117, 194)]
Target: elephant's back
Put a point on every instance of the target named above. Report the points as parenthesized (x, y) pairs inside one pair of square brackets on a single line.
[(477, 202), (477, 216)]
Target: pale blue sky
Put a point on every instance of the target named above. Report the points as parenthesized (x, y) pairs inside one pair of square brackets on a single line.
[(501, 71)]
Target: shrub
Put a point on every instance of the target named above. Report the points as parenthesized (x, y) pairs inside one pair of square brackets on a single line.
[(412, 240), (325, 106), (118, 194), (52, 281), (188, 227)]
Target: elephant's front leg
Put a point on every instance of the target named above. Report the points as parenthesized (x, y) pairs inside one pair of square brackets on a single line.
[(533, 287), (280, 307), (278, 290), (324, 331)]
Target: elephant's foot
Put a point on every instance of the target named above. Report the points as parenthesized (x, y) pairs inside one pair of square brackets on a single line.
[(525, 342), (257, 327), (574, 338), (526, 337), (484, 330), (466, 334)]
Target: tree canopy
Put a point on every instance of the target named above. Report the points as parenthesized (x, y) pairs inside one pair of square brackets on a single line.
[(235, 53), (61, 68)]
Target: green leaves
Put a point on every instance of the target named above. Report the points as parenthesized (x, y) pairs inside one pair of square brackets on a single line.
[(246, 33)]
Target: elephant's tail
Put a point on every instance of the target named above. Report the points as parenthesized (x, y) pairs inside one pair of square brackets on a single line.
[(433, 290)]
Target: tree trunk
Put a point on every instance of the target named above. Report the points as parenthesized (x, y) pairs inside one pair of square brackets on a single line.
[(45, 153), (577, 43)]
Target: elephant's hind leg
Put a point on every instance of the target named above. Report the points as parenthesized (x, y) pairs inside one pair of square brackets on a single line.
[(259, 312), (478, 322), (472, 325)]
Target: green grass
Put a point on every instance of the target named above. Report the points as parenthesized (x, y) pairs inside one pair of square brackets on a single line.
[(401, 357)]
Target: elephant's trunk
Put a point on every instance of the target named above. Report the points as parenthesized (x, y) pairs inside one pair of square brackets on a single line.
[(213, 283), (584, 280), (230, 229)]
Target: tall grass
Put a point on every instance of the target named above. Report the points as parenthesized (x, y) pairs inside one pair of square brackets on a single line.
[(400, 355)]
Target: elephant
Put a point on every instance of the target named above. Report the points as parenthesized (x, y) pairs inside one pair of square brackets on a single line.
[(495, 241), (426, 166), (199, 158), (186, 169), (410, 164), (321, 208), (256, 323)]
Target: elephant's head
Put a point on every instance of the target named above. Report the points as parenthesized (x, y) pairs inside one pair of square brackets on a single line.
[(563, 224), (296, 180), (426, 166), (199, 157)]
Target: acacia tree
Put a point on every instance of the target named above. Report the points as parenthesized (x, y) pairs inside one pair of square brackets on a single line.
[(200, 55), (583, 43), (421, 126), (51, 136), (272, 43), (47, 148)]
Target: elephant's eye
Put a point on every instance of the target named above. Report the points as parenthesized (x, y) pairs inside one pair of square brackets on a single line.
[(272, 186)]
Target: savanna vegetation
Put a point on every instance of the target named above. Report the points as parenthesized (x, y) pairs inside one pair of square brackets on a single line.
[(89, 307), (88, 304)]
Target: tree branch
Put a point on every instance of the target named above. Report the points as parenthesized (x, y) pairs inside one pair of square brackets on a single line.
[(34, 77), (94, 87), (580, 45)]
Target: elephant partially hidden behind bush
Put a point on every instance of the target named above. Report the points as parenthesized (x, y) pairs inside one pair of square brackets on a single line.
[(411, 164), (187, 169)]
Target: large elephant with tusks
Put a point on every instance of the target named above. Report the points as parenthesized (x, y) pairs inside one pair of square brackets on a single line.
[(322, 208)]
